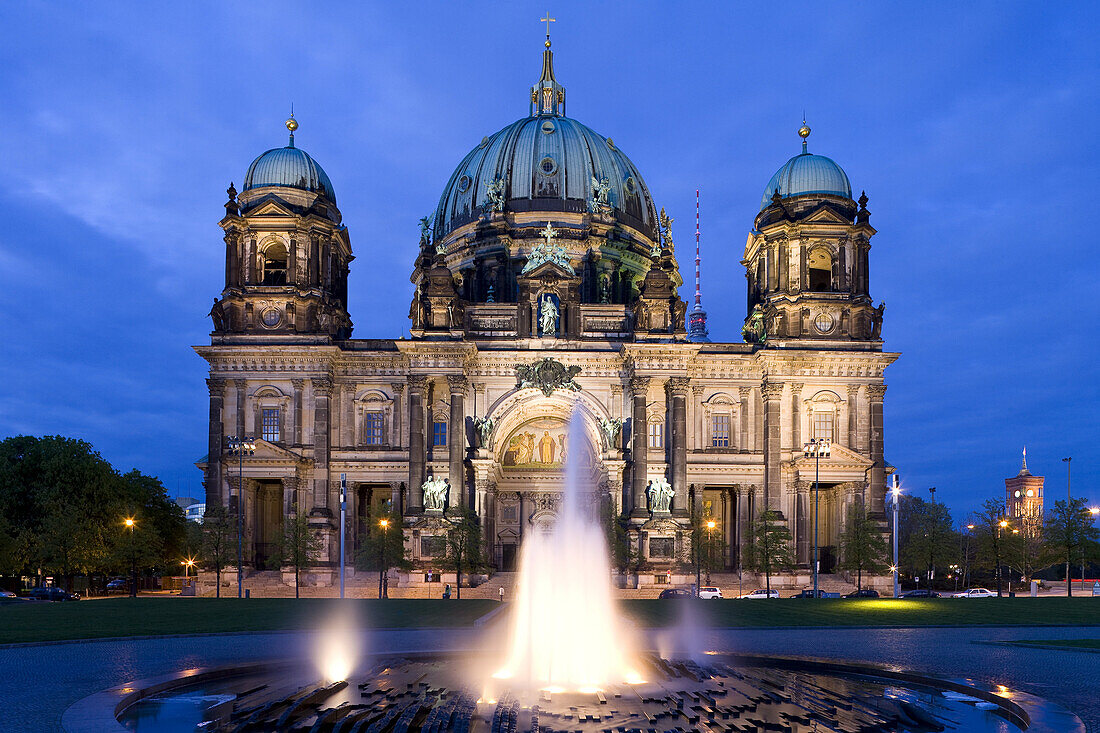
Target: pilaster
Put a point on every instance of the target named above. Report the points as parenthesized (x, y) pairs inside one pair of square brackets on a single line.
[(639, 387), (322, 394), (771, 393), (215, 442), (417, 385), (677, 397), (456, 441)]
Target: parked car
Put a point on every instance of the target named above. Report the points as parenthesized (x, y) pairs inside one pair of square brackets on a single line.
[(709, 591), (761, 593), (975, 593), (809, 593), (675, 593), (6, 593), (865, 593), (53, 594), (920, 593), (118, 584)]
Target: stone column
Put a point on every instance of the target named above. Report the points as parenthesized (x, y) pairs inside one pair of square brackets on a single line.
[(347, 421), (744, 518), (215, 445), (395, 498), (796, 417), (398, 440), (456, 442), (639, 387), (677, 397), (744, 393), (296, 428), (239, 385), (322, 394), (290, 496), (876, 393), (853, 416), (772, 392), (417, 384), (695, 418), (803, 531)]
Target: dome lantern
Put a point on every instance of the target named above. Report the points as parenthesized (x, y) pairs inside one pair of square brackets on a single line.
[(289, 167), (807, 173), (548, 97)]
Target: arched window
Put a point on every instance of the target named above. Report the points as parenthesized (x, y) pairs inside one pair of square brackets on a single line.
[(820, 264), (274, 264)]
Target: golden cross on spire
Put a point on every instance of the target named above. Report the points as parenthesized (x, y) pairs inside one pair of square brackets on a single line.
[(548, 20)]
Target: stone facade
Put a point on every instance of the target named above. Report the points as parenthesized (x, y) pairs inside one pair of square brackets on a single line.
[(522, 313)]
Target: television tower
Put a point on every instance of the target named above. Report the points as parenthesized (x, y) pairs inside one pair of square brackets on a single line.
[(697, 317)]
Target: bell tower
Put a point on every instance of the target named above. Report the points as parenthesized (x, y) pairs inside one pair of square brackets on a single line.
[(287, 253), (806, 259)]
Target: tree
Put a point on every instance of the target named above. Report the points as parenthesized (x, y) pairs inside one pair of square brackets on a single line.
[(622, 552), (926, 538), (863, 547), (1069, 530), (218, 531), (382, 548), (989, 528), (463, 545), (769, 550), (299, 546)]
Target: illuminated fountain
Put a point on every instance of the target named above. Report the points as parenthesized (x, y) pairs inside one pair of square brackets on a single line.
[(569, 666), (565, 630)]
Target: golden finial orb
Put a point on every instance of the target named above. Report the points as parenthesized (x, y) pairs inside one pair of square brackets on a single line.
[(292, 124), (804, 131)]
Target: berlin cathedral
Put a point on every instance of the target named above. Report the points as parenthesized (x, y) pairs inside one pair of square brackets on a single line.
[(546, 281)]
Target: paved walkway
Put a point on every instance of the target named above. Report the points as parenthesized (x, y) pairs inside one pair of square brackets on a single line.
[(38, 683)]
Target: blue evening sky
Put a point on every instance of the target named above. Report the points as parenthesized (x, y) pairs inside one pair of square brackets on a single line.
[(972, 127)]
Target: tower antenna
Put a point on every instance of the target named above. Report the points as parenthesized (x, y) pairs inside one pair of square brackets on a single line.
[(697, 318)]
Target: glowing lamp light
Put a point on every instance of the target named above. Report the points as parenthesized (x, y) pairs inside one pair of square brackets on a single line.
[(1003, 524), (384, 523), (711, 524), (129, 522), (1094, 510), (970, 526)]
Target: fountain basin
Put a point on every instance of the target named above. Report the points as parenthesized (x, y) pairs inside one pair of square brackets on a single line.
[(423, 692)]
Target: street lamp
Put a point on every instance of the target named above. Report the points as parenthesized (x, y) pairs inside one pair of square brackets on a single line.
[(710, 546), (1069, 498), (1000, 573), (129, 522), (896, 491), (966, 557), (815, 449), (187, 565), (1093, 512), (239, 447), (383, 584)]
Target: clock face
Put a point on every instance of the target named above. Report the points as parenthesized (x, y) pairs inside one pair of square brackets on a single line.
[(1030, 492), (270, 317), (1017, 494), (824, 322)]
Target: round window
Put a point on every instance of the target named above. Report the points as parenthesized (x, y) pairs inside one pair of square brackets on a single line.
[(464, 184), (824, 322), (1017, 494), (548, 127), (631, 187), (270, 317), (548, 166)]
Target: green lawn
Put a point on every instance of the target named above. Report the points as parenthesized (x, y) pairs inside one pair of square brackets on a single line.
[(880, 612), (36, 622), (1066, 643)]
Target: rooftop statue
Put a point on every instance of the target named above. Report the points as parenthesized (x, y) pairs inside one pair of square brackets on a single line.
[(666, 229), (755, 331), (600, 188), (548, 251), (494, 195)]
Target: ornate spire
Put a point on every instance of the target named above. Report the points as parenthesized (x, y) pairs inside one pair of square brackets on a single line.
[(1023, 467), (292, 125), (697, 318), (547, 97), (804, 132)]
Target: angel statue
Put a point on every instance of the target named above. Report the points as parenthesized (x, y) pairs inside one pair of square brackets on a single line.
[(660, 495), (425, 232), (666, 229), (600, 189), (435, 493), (494, 196), (484, 428), (611, 429)]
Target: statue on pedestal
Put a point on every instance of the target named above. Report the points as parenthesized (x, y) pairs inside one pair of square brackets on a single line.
[(548, 317), (435, 493), (660, 495)]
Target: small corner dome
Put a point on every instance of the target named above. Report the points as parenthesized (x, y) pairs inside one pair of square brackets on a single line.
[(290, 167), (807, 173)]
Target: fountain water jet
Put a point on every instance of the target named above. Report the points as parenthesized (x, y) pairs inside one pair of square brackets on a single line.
[(336, 654), (566, 633)]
